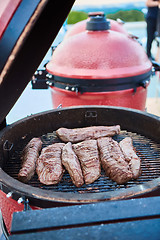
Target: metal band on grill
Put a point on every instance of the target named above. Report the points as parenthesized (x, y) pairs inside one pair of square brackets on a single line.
[(100, 85)]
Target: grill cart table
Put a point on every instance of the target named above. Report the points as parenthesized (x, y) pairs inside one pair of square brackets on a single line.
[(128, 219)]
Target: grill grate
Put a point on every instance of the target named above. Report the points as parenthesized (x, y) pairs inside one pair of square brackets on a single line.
[(146, 149)]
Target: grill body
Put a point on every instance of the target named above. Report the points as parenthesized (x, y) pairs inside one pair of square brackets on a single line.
[(32, 17), (127, 98), (102, 67), (143, 128)]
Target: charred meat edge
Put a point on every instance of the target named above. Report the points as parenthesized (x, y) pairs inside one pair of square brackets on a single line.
[(71, 163), (49, 164), (29, 157), (80, 134), (113, 161), (131, 157), (87, 152)]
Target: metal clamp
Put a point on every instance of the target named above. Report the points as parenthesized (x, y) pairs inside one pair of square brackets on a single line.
[(39, 79), (25, 201)]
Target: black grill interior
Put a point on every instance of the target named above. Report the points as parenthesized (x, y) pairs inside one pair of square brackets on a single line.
[(147, 150)]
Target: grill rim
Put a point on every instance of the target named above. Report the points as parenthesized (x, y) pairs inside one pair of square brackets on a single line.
[(48, 195), (25, 190)]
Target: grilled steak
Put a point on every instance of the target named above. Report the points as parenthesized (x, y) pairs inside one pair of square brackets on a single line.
[(72, 165), (127, 148), (49, 164), (80, 134), (30, 155), (87, 152), (113, 161)]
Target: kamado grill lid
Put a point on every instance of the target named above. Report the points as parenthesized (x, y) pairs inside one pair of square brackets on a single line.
[(25, 26), (100, 54)]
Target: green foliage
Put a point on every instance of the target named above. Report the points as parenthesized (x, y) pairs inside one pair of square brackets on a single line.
[(76, 16), (127, 16)]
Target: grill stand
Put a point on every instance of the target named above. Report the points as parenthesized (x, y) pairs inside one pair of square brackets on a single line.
[(135, 219)]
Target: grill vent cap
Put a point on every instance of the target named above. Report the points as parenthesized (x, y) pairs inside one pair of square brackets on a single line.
[(98, 23)]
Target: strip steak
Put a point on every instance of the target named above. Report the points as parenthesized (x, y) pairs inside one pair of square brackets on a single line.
[(49, 164), (72, 165), (81, 134), (87, 152), (29, 157), (113, 161), (130, 155)]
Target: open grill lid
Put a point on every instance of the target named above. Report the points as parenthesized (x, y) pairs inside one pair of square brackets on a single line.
[(26, 26)]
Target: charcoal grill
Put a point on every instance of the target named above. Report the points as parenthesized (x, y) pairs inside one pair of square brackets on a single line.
[(147, 150), (142, 127)]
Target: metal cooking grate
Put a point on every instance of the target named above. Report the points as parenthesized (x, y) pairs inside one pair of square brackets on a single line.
[(146, 149)]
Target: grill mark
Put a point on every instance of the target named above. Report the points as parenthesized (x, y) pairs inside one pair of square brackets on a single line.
[(146, 149)]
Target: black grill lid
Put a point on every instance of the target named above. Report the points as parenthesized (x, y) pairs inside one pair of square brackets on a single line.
[(30, 28)]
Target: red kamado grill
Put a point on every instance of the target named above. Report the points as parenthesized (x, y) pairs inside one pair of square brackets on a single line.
[(99, 66), (67, 210)]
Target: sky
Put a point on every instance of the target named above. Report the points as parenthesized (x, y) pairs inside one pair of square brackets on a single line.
[(95, 2)]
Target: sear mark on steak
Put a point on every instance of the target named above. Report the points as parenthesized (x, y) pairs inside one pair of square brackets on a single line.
[(113, 161), (80, 134), (49, 164), (71, 163), (134, 161), (29, 157), (87, 152)]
